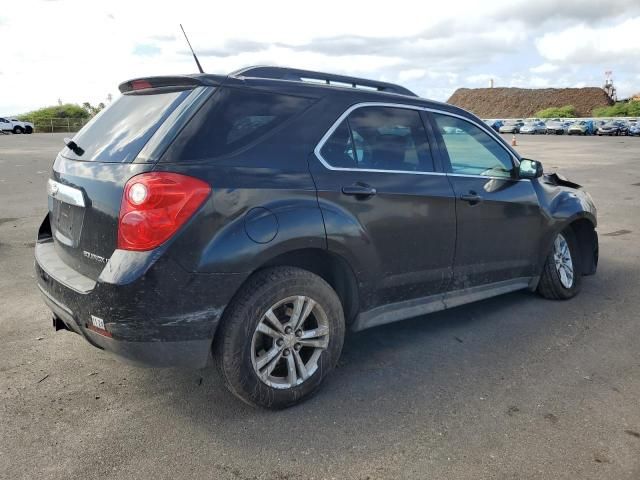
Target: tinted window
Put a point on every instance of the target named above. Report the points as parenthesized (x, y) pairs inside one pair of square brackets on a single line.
[(120, 131), (388, 138), (471, 150), (338, 149), (231, 120)]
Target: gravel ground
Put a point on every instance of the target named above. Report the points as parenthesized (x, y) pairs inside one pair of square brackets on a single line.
[(511, 387)]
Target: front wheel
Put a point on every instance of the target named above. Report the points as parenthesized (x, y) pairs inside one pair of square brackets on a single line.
[(561, 278), (18, 130), (280, 337)]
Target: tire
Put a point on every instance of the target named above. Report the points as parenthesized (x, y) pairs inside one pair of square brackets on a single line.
[(553, 285), (240, 348), (28, 130), (18, 130)]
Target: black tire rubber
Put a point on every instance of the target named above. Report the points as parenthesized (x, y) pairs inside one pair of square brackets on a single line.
[(28, 130), (550, 285), (232, 345), (18, 130)]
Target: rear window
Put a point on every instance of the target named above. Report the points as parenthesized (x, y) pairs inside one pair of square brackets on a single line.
[(232, 120), (119, 132)]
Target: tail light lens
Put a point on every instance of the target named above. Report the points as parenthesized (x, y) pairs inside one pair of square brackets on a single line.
[(155, 205)]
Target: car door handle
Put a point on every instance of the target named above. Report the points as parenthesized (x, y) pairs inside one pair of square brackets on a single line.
[(359, 190), (471, 197)]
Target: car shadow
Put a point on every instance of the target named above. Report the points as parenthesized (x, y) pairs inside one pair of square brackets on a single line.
[(397, 379), (396, 369)]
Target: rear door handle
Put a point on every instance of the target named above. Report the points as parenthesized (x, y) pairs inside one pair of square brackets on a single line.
[(359, 190), (471, 197)]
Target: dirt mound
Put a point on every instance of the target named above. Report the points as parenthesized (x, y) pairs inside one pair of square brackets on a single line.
[(525, 102)]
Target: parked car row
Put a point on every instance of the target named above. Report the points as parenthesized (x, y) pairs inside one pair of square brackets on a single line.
[(15, 126), (557, 126)]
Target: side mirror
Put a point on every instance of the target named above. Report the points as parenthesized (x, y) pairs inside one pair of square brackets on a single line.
[(529, 168)]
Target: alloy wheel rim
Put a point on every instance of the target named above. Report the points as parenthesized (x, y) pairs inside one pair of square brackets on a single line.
[(563, 262), (288, 341)]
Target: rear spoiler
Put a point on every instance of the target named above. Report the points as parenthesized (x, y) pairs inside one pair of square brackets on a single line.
[(179, 81)]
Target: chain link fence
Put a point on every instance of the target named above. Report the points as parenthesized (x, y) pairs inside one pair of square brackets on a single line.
[(52, 125)]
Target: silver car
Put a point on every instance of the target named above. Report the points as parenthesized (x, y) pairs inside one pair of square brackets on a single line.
[(533, 128), (511, 126), (557, 128)]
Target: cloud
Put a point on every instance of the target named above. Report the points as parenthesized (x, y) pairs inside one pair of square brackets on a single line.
[(431, 48), (607, 45), (544, 68), (541, 12), (480, 79), (146, 50), (411, 74), (162, 38), (230, 48), (468, 47)]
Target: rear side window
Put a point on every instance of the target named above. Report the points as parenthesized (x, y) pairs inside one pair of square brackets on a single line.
[(232, 120), (381, 138), (119, 132), (338, 149)]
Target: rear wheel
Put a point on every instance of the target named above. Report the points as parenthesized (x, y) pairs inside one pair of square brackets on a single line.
[(18, 130), (280, 337), (561, 277)]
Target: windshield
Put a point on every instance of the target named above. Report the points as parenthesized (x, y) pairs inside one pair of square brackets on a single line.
[(120, 131)]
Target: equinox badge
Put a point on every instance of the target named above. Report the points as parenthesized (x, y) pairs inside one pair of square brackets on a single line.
[(93, 256)]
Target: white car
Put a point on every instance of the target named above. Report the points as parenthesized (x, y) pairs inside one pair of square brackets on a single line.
[(15, 126)]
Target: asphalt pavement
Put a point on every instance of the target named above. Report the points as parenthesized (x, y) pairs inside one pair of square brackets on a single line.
[(514, 387)]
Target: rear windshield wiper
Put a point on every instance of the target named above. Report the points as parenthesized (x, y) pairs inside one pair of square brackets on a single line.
[(73, 146)]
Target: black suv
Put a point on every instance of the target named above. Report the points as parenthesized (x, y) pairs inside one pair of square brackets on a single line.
[(257, 216)]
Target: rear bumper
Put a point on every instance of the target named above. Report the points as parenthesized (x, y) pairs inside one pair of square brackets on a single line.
[(164, 316)]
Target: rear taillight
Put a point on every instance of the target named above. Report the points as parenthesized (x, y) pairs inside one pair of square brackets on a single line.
[(155, 205)]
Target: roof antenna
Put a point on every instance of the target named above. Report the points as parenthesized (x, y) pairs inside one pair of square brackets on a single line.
[(194, 53)]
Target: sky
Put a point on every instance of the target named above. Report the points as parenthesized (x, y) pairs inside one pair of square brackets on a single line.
[(77, 51)]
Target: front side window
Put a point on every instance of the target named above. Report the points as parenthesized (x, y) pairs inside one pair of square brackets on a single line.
[(472, 151)]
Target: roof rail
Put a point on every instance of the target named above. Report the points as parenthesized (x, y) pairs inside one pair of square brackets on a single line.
[(298, 75)]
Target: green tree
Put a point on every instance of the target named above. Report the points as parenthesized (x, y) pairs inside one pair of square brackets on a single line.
[(619, 109), (568, 111), (67, 110), (91, 109)]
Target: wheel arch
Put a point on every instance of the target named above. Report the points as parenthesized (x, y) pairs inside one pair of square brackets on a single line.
[(331, 267), (587, 238)]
